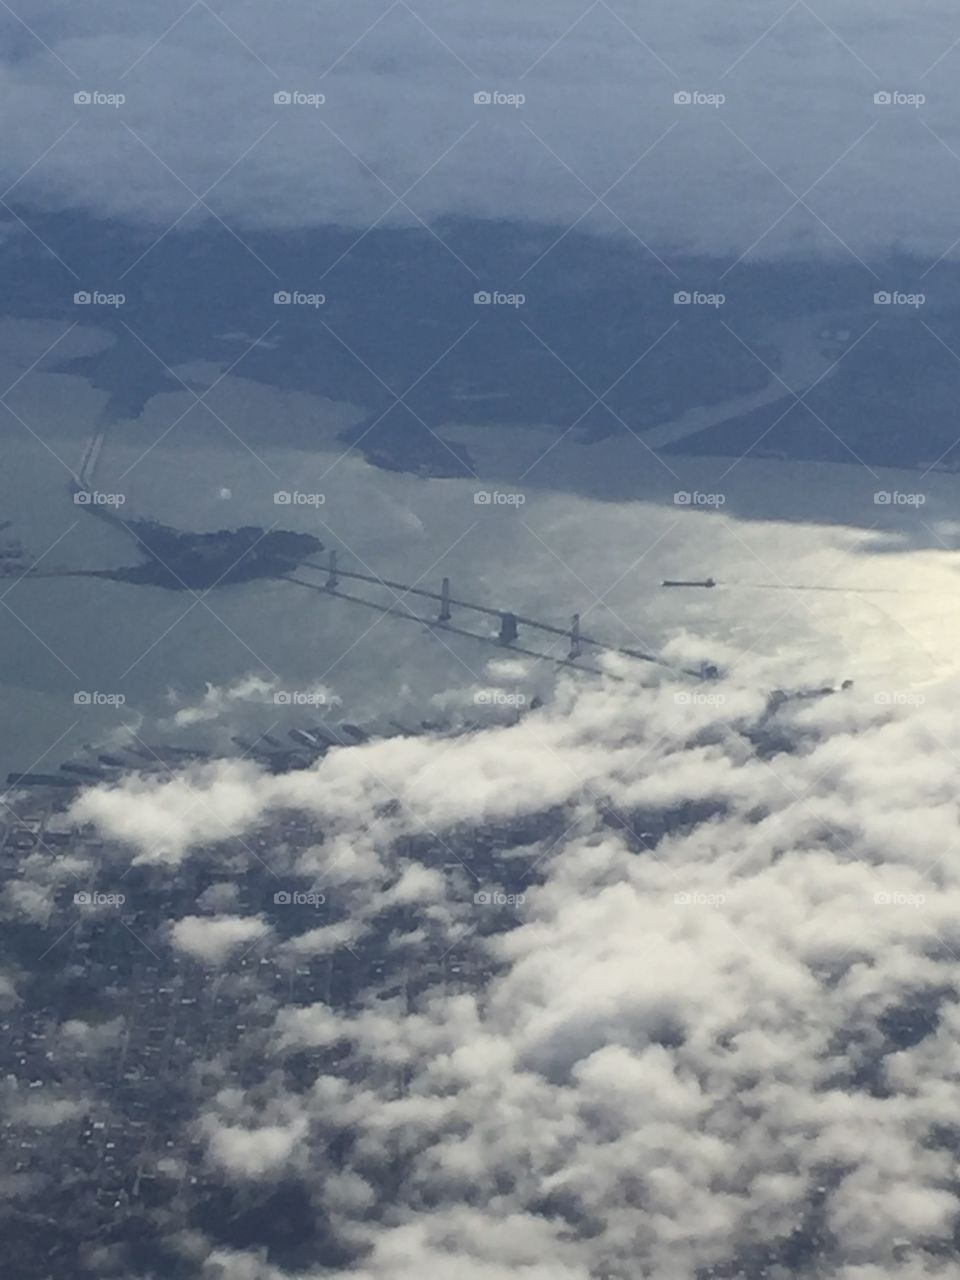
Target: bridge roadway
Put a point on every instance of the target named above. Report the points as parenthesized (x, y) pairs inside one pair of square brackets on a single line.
[(506, 639), (397, 611), (509, 621)]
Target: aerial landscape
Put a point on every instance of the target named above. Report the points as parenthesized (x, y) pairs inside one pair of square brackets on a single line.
[(479, 599)]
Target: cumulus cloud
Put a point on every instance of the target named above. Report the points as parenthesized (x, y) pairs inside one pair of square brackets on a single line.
[(249, 1142), (223, 896), (251, 1153), (215, 940), (163, 821), (33, 1108), (716, 1032), (26, 901), (220, 702), (88, 1037), (216, 701)]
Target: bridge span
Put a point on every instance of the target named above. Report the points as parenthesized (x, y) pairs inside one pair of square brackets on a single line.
[(508, 622)]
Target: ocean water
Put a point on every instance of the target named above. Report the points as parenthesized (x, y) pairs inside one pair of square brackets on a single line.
[(569, 527)]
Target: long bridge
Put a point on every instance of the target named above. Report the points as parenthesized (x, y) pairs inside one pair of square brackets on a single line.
[(508, 622)]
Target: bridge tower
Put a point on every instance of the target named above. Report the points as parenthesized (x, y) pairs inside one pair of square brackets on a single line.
[(332, 577), (575, 647), (445, 614), (508, 628)]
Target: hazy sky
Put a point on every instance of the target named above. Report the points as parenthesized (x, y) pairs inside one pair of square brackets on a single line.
[(798, 156)]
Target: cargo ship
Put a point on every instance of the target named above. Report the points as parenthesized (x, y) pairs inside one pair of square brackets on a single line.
[(675, 582)]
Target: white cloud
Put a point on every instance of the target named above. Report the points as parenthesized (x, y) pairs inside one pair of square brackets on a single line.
[(215, 940), (685, 1047), (251, 1153), (162, 819), (216, 701)]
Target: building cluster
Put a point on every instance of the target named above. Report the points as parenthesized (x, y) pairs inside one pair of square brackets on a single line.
[(115, 1039)]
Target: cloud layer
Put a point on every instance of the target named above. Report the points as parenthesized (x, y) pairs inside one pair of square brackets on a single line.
[(707, 1024), (797, 158)]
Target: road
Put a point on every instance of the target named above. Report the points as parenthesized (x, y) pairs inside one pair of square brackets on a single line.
[(802, 363)]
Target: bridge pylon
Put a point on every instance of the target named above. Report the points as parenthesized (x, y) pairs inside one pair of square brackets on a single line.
[(508, 628), (575, 646), (445, 613), (332, 577)]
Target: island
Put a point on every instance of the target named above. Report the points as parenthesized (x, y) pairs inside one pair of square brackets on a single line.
[(182, 561)]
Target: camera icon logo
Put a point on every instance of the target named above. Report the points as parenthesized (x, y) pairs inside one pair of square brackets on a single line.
[(681, 498), (682, 298), (682, 699), (81, 498), (883, 98), (482, 498), (283, 498), (482, 298), (282, 898), (682, 98), (82, 698), (882, 298), (682, 899), (282, 298), (82, 299), (82, 899), (882, 498), (282, 98), (282, 698), (82, 99), (483, 99), (482, 899)]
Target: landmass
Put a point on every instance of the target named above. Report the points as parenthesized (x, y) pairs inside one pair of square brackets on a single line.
[(194, 561), (183, 561)]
